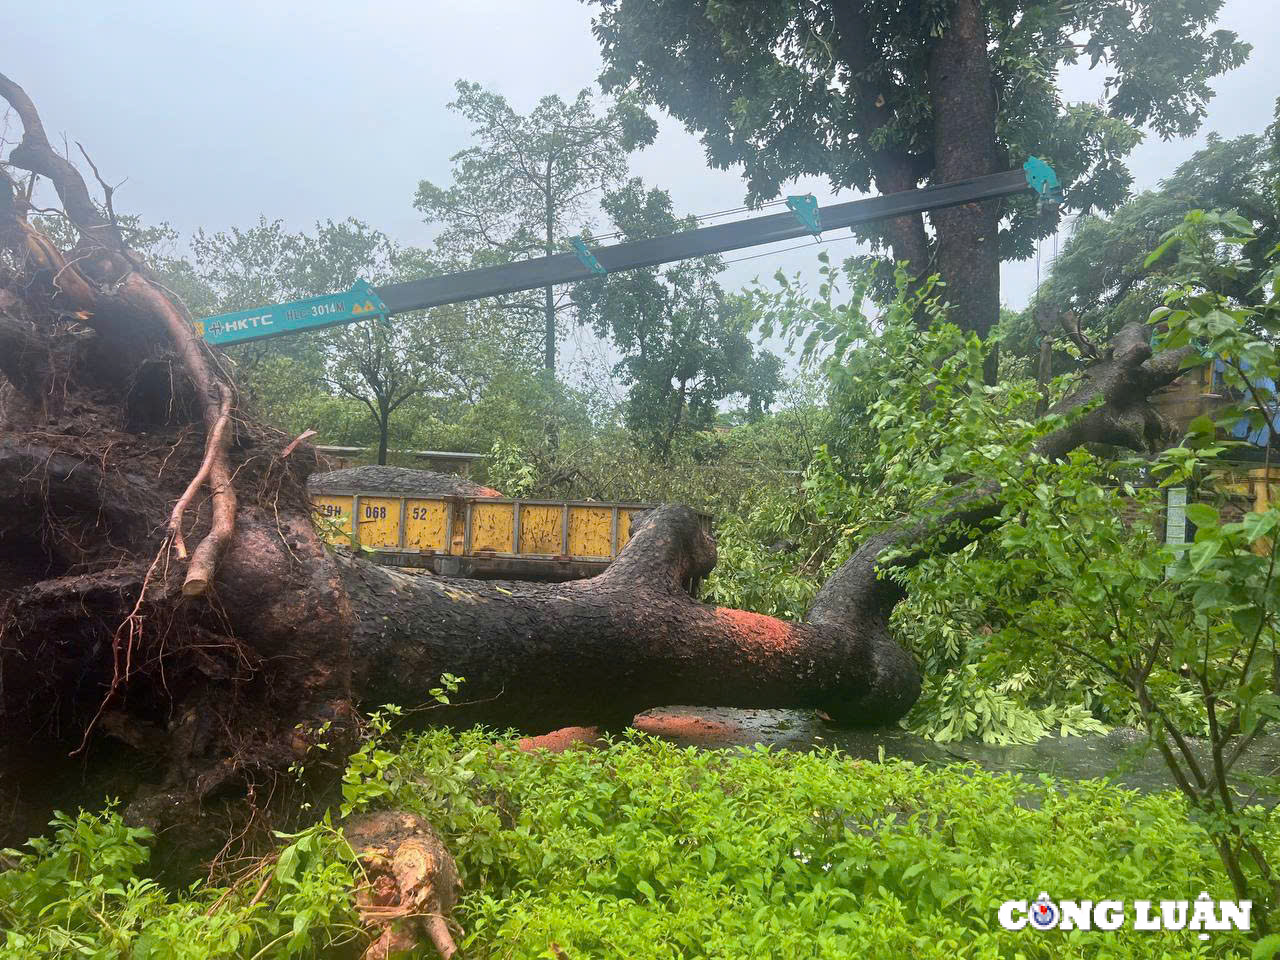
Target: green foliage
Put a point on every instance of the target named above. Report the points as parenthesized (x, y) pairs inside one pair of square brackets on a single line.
[(1102, 275), (685, 344), (350, 382), (774, 556), (1180, 639), (525, 184), (788, 88), (372, 771), (84, 893), (508, 471), (648, 850)]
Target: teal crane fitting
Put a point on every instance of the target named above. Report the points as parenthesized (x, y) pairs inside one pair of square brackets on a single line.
[(1042, 179), (587, 258), (805, 208)]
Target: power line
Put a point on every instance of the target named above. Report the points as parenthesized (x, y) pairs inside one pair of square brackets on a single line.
[(770, 253), (705, 216)]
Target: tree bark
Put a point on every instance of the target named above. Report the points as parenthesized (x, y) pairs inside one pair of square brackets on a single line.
[(384, 428), (964, 121), (1044, 368), (541, 656)]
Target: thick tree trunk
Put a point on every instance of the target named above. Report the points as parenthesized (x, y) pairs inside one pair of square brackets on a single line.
[(964, 122), (539, 656)]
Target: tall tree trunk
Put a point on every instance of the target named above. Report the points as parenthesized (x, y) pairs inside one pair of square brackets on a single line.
[(669, 437), (906, 234), (1044, 371), (549, 318), (549, 331), (384, 430), (964, 123)]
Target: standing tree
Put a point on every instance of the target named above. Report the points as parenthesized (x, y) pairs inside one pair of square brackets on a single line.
[(891, 95), (684, 343), (527, 181), (383, 365), (380, 366)]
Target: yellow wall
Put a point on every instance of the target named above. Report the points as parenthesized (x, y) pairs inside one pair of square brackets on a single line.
[(541, 529), (626, 520), (379, 522), (590, 531), (492, 526), (424, 522)]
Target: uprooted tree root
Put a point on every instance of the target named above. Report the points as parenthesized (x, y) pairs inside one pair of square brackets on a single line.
[(103, 267)]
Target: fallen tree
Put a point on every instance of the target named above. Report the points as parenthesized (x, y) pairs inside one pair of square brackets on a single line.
[(132, 666)]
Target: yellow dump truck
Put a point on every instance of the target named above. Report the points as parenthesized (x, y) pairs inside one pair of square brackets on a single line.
[(472, 535)]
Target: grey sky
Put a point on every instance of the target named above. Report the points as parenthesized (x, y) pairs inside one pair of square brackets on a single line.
[(219, 112)]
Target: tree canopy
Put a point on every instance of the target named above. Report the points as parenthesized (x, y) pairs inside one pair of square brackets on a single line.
[(891, 95), (685, 343), (1102, 275), (527, 182)]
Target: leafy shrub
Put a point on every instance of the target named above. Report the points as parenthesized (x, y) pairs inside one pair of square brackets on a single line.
[(646, 850), (83, 893)]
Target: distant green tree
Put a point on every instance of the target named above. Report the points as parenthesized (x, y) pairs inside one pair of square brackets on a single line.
[(893, 94), (379, 366), (684, 342), (528, 181), (1101, 276)]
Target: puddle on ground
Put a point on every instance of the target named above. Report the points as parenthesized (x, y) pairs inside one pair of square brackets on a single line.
[(1117, 755)]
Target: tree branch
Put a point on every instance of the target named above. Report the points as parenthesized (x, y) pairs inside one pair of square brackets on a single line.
[(1123, 380)]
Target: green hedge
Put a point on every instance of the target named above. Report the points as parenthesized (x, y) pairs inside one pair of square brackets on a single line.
[(646, 850)]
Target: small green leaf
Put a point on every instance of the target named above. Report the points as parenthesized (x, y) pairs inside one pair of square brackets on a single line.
[(287, 865), (1201, 424), (1258, 525), (1267, 948), (1202, 515), (1202, 552)]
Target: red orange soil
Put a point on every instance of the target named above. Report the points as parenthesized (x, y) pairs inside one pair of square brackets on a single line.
[(687, 728)]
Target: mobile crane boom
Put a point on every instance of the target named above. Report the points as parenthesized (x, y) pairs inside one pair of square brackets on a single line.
[(805, 218)]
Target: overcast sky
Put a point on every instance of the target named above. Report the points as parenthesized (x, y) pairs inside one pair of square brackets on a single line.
[(219, 112)]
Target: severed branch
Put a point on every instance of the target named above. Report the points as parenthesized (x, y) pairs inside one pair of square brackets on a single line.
[(35, 154), (1071, 326), (108, 192), (75, 288)]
